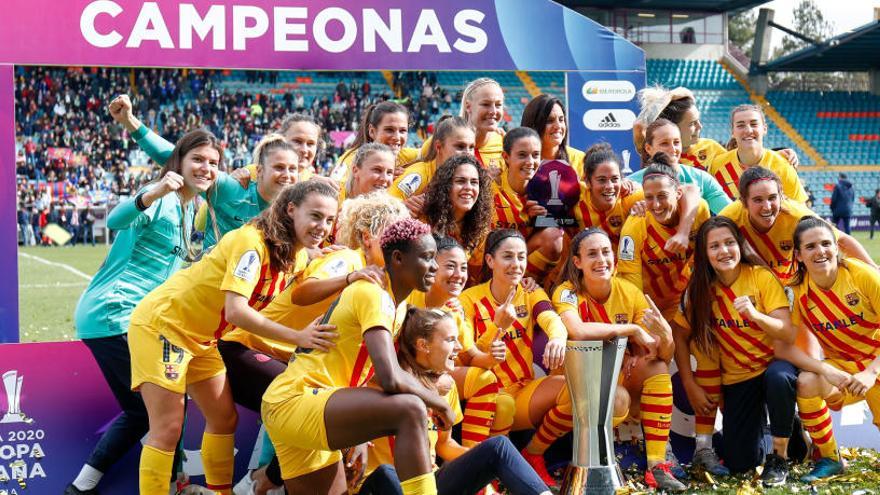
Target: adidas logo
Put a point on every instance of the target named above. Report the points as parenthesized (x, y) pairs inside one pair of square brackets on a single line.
[(609, 122)]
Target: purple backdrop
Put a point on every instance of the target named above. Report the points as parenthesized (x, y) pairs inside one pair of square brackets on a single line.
[(8, 212)]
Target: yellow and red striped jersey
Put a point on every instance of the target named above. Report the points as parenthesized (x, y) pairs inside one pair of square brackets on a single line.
[(532, 309), (744, 348), (727, 170), (282, 309), (610, 221), (189, 308), (645, 262), (846, 318), (700, 154), (465, 330), (510, 211), (625, 304), (774, 246), (361, 306)]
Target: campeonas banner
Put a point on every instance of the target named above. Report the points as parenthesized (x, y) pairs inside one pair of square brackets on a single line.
[(313, 34)]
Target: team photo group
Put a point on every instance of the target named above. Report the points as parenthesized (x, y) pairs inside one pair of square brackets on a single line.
[(394, 320)]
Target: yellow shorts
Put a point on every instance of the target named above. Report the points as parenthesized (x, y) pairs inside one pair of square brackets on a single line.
[(522, 395), (296, 427), (156, 360)]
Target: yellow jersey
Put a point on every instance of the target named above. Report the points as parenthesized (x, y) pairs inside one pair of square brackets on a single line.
[(465, 330), (774, 246), (188, 308), (414, 180), (846, 318), (610, 221), (645, 262), (727, 170), (510, 210), (382, 451), (282, 309), (576, 160), (745, 349), (625, 304), (361, 306), (532, 309), (700, 154)]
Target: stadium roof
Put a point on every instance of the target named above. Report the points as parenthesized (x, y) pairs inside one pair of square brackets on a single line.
[(731, 6), (853, 51)]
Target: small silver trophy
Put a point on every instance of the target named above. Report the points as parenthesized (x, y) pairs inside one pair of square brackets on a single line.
[(591, 371)]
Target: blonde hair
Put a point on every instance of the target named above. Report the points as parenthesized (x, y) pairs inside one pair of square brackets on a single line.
[(369, 213), (469, 91), (653, 100)]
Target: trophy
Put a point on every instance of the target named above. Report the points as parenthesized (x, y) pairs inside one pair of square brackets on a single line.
[(591, 371), (625, 155), (555, 186), (12, 384)]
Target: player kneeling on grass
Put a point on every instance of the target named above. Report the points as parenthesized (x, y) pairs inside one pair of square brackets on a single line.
[(735, 313), (837, 304), (587, 300), (174, 330)]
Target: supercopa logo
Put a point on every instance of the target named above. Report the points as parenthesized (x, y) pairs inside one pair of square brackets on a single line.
[(20, 449)]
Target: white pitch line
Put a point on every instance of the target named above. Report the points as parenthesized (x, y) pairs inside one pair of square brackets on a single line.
[(58, 285), (59, 265)]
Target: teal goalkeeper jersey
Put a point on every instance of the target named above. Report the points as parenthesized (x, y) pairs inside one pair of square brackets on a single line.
[(710, 189), (233, 205), (149, 247)]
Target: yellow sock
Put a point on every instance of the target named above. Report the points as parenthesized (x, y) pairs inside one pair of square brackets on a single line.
[(708, 377), (481, 391), (218, 453), (155, 470), (554, 424), (424, 484), (656, 406), (817, 421), (505, 409), (538, 265)]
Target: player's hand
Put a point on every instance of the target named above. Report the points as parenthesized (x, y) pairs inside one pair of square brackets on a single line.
[(533, 209), (529, 285), (398, 171), (639, 209), (700, 400), (654, 321), (498, 350), (355, 463), (838, 378), (743, 304), (554, 354), (455, 305), (242, 175), (331, 249), (444, 384), (371, 273), (505, 315), (627, 187), (120, 109), (790, 155), (415, 205), (444, 417), (678, 243), (315, 336), (169, 183), (862, 382), (645, 340), (494, 173)]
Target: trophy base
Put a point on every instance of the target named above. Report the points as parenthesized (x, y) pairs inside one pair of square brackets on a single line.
[(545, 221), (554, 202), (599, 480), (15, 418)]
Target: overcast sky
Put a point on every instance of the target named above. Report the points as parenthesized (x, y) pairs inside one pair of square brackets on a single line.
[(844, 14)]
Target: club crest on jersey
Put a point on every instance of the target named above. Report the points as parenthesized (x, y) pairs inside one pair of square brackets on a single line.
[(522, 311), (702, 155), (785, 245), (248, 266), (409, 184), (621, 318), (171, 372), (852, 298), (568, 296), (615, 221)]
